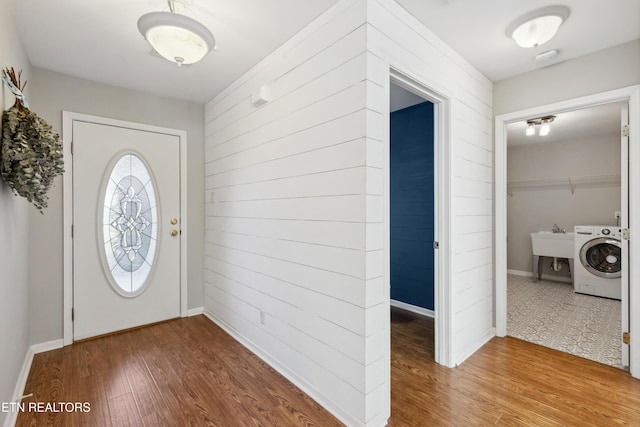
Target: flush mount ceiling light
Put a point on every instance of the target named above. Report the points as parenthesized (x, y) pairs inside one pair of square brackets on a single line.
[(177, 38), (543, 122), (537, 27)]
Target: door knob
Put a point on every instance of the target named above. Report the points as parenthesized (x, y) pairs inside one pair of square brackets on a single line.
[(174, 233), (174, 221)]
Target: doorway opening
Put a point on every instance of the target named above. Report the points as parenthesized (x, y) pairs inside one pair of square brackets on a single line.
[(412, 202), (565, 191), (628, 96), (421, 314)]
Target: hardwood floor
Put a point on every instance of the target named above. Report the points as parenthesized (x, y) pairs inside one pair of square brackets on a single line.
[(184, 372), (508, 382), (188, 372)]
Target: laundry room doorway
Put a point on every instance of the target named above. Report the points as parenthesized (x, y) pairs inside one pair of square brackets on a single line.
[(567, 200)]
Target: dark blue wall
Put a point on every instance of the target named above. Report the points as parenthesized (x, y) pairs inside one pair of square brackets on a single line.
[(412, 205)]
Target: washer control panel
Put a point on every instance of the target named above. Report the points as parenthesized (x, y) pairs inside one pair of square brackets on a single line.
[(613, 232), (599, 230)]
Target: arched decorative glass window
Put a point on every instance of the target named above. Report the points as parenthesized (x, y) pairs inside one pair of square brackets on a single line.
[(129, 224)]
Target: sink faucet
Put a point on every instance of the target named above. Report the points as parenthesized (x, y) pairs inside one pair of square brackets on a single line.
[(557, 229)]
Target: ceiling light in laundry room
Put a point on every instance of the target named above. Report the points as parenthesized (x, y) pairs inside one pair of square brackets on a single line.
[(537, 27), (544, 124), (545, 127), (531, 129)]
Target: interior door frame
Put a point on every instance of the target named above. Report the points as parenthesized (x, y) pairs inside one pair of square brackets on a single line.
[(443, 216), (624, 223), (68, 118), (630, 94)]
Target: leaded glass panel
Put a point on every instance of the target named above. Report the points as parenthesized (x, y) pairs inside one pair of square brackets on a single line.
[(129, 223)]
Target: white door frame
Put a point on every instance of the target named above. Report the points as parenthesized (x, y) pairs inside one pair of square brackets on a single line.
[(629, 94), (67, 184), (442, 214)]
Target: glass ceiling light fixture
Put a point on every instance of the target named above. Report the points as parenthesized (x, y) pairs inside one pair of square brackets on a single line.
[(545, 128), (537, 27), (543, 122), (177, 38), (531, 129)]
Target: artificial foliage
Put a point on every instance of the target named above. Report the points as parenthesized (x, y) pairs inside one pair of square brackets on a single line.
[(31, 150)]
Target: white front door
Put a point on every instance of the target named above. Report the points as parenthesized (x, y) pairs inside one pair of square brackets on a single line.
[(126, 228)]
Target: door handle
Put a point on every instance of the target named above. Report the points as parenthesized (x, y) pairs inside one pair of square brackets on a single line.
[(174, 233), (173, 221)]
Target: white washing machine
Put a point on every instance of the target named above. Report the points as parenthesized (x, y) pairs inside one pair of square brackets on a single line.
[(598, 260)]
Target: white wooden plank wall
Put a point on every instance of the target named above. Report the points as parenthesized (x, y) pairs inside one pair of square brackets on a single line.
[(286, 257), (295, 240), (397, 39)]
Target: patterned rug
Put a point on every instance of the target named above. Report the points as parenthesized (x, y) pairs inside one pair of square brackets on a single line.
[(551, 314)]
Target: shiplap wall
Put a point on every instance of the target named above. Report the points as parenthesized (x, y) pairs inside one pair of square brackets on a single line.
[(396, 39), (295, 189), (285, 258)]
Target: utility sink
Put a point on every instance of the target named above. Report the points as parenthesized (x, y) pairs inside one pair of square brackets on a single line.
[(546, 243)]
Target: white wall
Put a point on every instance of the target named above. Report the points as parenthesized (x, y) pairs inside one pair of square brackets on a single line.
[(14, 236), (57, 92), (530, 211), (295, 241), (608, 69), (286, 233), (396, 39)]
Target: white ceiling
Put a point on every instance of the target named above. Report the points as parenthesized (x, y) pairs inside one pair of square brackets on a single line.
[(476, 29), (98, 39), (571, 126), (400, 98)]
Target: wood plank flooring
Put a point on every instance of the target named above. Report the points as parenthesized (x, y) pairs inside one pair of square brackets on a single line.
[(188, 372), (184, 372), (508, 382)]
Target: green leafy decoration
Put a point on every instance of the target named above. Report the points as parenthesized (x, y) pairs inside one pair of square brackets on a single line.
[(30, 151)]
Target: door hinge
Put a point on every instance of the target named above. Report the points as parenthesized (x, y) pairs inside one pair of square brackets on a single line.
[(436, 245), (626, 234), (626, 338), (72, 231), (73, 314), (72, 148), (625, 131)]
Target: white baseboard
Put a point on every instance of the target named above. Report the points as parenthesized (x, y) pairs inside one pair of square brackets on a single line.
[(520, 273), (18, 392), (47, 346), (299, 382), (380, 421), (413, 308), (471, 349), (195, 311)]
